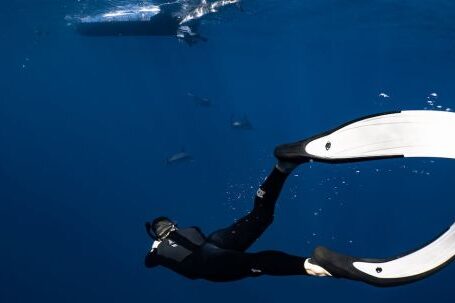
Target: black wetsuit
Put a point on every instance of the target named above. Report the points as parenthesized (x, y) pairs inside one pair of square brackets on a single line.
[(221, 256)]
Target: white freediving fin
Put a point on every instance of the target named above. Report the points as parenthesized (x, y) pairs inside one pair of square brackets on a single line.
[(396, 271), (417, 133)]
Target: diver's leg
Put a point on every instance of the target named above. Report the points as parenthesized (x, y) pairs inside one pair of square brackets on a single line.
[(240, 235), (277, 263), (228, 265)]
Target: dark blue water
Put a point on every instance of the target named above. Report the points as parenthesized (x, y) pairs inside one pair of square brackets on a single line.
[(87, 123)]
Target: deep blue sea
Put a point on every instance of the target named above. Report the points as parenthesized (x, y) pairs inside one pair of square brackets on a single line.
[(87, 123)]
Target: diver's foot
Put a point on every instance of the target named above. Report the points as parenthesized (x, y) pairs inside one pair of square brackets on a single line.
[(313, 269), (292, 153)]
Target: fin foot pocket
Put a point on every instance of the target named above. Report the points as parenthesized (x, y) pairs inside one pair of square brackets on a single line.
[(342, 266), (292, 152)]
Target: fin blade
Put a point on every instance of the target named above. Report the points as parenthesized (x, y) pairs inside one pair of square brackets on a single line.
[(401, 134)]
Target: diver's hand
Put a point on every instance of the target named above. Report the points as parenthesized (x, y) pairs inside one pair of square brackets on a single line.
[(151, 259)]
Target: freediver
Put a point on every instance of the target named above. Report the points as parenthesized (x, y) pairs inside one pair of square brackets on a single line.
[(222, 256)]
